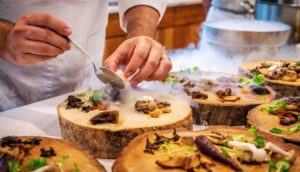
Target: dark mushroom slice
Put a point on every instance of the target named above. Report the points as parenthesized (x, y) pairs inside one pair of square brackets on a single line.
[(47, 152), (288, 119), (74, 102), (174, 162), (198, 95), (32, 141), (160, 139), (150, 147), (260, 90), (104, 117), (10, 141), (206, 146)]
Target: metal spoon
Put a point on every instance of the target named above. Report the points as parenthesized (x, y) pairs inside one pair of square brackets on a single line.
[(105, 75)]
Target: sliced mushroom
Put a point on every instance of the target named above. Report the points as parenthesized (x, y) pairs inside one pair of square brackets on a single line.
[(231, 98), (191, 162), (187, 140), (291, 107), (173, 162), (258, 155), (106, 116), (289, 155), (47, 168), (260, 90), (288, 119)]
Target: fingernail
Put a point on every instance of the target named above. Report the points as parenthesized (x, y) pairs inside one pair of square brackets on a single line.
[(67, 31)]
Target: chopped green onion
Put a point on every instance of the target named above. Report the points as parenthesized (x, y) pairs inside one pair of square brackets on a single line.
[(258, 79), (226, 145), (189, 150), (253, 130), (298, 63), (224, 152), (13, 166), (61, 162), (166, 145), (276, 130), (196, 69), (260, 141), (240, 137), (75, 168), (36, 163), (282, 165), (279, 105), (272, 167)]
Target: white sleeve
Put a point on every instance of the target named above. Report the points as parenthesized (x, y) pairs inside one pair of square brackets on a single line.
[(124, 5)]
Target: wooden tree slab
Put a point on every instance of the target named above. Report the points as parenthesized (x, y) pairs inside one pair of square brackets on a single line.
[(107, 140), (133, 158), (83, 159), (283, 88)]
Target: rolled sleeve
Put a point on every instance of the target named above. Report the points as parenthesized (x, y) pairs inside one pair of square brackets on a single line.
[(124, 5)]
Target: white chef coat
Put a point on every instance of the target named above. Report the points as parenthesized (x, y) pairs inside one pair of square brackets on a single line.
[(70, 71)]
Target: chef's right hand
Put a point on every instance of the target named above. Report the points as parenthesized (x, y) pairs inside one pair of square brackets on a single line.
[(36, 37)]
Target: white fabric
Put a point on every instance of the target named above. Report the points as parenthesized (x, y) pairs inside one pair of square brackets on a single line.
[(68, 72), (160, 6)]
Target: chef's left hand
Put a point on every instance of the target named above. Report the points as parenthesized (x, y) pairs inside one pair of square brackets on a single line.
[(140, 53)]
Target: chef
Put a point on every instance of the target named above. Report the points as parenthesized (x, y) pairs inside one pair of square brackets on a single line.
[(37, 61)]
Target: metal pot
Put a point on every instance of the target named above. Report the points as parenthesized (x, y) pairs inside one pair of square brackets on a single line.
[(245, 36), (287, 11)]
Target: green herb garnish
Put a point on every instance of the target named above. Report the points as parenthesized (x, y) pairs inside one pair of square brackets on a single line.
[(276, 130), (279, 105), (295, 128), (13, 166), (255, 81), (282, 165), (260, 141), (224, 152), (166, 145), (225, 144), (272, 167), (298, 63), (61, 162), (253, 130), (75, 168), (258, 79), (36, 163), (196, 69), (98, 96), (240, 137), (189, 150), (170, 79)]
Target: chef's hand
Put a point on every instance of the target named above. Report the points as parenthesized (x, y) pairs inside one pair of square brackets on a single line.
[(35, 38), (140, 53)]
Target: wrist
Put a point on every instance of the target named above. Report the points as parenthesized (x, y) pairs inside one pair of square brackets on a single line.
[(5, 28)]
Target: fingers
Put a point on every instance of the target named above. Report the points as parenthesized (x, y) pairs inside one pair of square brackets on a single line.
[(40, 48), (149, 67), (162, 71), (32, 58), (138, 58), (48, 21), (47, 36)]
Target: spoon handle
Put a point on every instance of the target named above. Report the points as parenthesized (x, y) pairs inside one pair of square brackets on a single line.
[(77, 46)]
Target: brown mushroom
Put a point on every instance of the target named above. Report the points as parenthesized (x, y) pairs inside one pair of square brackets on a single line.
[(173, 162), (106, 116)]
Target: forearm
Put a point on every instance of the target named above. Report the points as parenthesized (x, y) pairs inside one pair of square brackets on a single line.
[(141, 20), (5, 27)]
